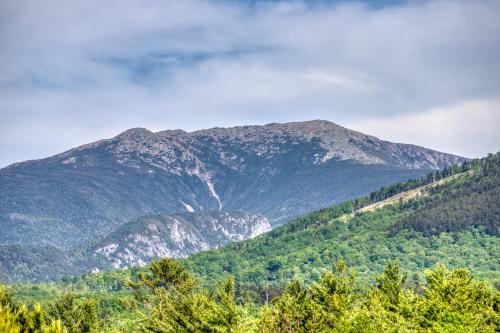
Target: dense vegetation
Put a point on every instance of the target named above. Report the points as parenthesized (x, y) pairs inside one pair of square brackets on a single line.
[(474, 203), (19, 263), (463, 234), (169, 299), (283, 281)]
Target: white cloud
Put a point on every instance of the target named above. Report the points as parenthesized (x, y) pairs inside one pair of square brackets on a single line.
[(468, 129), (195, 64)]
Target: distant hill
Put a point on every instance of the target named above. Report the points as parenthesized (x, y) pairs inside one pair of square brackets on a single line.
[(21, 263), (280, 171), (175, 236), (133, 244)]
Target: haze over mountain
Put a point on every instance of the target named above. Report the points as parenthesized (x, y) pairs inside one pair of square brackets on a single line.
[(278, 170)]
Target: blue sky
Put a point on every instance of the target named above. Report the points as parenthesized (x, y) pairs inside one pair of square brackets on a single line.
[(422, 72)]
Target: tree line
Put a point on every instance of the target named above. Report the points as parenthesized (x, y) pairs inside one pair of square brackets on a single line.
[(171, 300)]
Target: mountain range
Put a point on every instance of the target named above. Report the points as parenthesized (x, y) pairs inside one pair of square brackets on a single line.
[(99, 196)]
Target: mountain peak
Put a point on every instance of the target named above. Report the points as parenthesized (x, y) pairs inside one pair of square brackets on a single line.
[(91, 189), (307, 123), (171, 133), (135, 133)]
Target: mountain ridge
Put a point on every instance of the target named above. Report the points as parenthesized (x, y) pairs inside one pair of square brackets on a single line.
[(175, 236), (277, 170), (301, 127)]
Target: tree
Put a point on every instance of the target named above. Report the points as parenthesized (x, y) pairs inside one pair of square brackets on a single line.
[(15, 320), (76, 316), (457, 302), (178, 306), (294, 311), (334, 292), (313, 309), (390, 284), (167, 274)]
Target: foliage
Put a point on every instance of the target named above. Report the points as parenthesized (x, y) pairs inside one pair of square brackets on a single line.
[(451, 302), (75, 316), (175, 304), (448, 301), (313, 309), (15, 319), (390, 285), (473, 203), (303, 249)]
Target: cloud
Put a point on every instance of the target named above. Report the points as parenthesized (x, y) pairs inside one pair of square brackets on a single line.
[(196, 64), (468, 129)]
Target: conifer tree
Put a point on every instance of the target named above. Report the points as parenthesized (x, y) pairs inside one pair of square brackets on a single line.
[(390, 284), (23, 320), (178, 306), (76, 316), (457, 302)]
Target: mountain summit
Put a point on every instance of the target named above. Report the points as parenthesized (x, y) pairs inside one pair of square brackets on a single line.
[(279, 171)]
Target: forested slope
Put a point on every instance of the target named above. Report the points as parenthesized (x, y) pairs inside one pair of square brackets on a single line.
[(371, 264), (454, 219)]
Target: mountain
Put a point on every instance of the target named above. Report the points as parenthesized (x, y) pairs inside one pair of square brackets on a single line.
[(23, 263), (278, 170), (291, 279), (132, 244), (175, 236), (450, 217)]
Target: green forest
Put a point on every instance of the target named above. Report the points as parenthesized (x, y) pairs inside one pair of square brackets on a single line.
[(168, 299), (419, 256)]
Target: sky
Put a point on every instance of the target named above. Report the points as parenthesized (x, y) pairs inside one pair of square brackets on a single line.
[(421, 72)]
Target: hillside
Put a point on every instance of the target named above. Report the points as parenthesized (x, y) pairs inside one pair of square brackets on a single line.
[(454, 220), (280, 171), (413, 223), (174, 236), (134, 243)]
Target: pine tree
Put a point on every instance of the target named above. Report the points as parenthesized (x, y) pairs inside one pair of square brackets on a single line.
[(314, 309), (178, 306), (456, 302), (390, 284), (334, 293), (22, 320), (76, 316)]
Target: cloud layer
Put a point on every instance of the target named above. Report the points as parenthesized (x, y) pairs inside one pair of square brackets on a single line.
[(73, 72)]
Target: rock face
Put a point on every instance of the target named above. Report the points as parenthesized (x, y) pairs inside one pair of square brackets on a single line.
[(277, 170), (175, 236)]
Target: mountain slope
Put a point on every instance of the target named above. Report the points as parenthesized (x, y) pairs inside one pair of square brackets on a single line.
[(20, 263), (419, 228), (175, 236), (366, 232), (133, 244), (278, 170)]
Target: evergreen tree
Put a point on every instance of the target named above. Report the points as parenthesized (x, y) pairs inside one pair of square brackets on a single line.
[(390, 284), (76, 316), (22, 320), (317, 308), (334, 293), (177, 305), (456, 302)]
